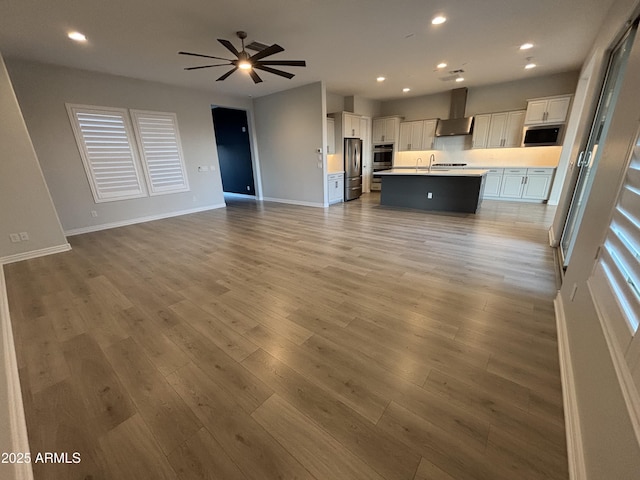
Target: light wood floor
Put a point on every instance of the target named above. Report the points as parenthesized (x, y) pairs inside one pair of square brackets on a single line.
[(283, 342)]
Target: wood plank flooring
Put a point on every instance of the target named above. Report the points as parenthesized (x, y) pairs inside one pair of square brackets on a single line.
[(270, 341)]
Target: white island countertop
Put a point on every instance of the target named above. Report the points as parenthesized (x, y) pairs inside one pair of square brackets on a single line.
[(434, 172)]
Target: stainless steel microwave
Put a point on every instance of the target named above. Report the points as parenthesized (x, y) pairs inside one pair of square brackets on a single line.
[(543, 135)]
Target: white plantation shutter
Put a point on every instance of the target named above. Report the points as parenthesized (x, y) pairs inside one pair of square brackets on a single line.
[(615, 285), (618, 265), (159, 143), (104, 139)]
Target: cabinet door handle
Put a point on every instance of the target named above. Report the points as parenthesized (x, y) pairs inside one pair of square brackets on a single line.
[(383, 138), (408, 146), (525, 180), (579, 163)]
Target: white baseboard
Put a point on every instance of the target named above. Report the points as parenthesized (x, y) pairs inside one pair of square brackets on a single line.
[(18, 257), (575, 450), (132, 221), (294, 202), (15, 409)]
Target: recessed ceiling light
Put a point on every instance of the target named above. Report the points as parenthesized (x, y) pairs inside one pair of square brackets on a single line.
[(380, 79), (405, 90), (526, 46), (77, 36), (441, 65), (460, 79), (438, 20), (530, 65)]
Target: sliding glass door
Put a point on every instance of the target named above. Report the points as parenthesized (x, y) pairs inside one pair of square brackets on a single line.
[(590, 155)]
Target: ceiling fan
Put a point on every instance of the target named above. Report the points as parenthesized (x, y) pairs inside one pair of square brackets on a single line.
[(250, 63)]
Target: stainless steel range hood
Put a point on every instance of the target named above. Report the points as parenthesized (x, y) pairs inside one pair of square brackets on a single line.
[(457, 124)]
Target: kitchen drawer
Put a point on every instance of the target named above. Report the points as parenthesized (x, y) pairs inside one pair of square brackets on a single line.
[(335, 176), (495, 171), (515, 171), (540, 171)]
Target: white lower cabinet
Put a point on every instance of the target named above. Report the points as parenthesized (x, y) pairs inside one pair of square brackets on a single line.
[(513, 182), (518, 183), (538, 183), (493, 182), (335, 183)]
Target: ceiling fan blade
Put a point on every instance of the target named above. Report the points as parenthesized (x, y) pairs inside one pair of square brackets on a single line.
[(204, 56), (273, 49), (208, 66), (284, 63), (254, 76), (223, 77), (229, 46), (273, 70)]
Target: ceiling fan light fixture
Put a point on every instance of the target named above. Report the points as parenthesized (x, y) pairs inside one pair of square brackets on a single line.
[(77, 36), (244, 65)]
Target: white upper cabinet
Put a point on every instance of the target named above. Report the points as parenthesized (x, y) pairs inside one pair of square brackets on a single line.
[(428, 134), (351, 125), (513, 129), (498, 130), (547, 110), (481, 130), (386, 130), (411, 135), (417, 135)]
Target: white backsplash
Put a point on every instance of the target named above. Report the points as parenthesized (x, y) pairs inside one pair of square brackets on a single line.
[(457, 150)]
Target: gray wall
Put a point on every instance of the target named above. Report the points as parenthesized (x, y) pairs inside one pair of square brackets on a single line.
[(289, 128), (487, 99), (26, 203), (42, 92), (610, 447)]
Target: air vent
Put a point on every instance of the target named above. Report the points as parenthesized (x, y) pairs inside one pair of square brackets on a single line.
[(453, 74)]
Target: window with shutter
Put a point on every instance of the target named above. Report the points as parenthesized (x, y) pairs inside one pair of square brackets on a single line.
[(159, 143), (615, 285), (104, 138)]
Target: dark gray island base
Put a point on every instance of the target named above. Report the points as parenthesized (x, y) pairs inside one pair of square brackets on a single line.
[(444, 191)]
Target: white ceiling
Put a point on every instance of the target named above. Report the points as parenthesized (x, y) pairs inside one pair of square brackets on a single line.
[(346, 43)]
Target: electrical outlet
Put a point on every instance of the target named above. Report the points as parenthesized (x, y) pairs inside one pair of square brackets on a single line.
[(24, 236), (248, 188), (429, 195), (94, 213), (15, 238)]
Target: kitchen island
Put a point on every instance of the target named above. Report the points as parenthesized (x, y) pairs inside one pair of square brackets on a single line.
[(433, 189)]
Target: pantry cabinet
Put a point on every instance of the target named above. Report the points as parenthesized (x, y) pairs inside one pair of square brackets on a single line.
[(331, 136)]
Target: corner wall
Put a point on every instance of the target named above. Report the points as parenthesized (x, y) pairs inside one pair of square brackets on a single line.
[(289, 129), (26, 203)]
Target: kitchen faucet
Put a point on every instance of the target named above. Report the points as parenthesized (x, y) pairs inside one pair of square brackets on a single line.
[(432, 159), (418, 160)]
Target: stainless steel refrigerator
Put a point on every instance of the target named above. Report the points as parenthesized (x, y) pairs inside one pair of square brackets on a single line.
[(352, 168)]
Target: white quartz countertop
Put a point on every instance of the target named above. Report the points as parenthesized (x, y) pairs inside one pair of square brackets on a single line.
[(439, 172)]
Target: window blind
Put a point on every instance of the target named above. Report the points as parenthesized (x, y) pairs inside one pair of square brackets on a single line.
[(104, 140), (620, 253), (159, 143)]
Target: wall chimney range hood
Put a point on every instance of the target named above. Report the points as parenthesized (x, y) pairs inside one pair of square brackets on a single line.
[(457, 124)]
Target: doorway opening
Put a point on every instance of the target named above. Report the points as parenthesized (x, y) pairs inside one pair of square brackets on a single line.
[(234, 150)]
